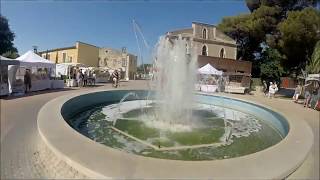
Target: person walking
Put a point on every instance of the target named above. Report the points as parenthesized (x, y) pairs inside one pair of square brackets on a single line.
[(265, 88), (115, 78)]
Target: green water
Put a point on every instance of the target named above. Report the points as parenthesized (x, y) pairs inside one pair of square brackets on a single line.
[(92, 124)]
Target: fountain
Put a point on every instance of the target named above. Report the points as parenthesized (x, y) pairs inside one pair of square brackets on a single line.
[(169, 121), (139, 131)]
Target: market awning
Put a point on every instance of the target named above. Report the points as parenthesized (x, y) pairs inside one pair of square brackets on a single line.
[(8, 61), (210, 70), (32, 59)]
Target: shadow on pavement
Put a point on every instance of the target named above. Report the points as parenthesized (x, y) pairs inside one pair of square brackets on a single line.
[(35, 93)]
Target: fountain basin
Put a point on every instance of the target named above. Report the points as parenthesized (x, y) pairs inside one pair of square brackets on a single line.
[(98, 160)]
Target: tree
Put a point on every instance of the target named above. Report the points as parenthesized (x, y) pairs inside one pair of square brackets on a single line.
[(285, 5), (250, 32), (314, 66), (11, 54), (271, 69), (299, 34), (6, 37)]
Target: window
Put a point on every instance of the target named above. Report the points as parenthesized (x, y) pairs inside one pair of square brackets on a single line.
[(70, 59), (48, 56), (204, 50), (222, 53), (64, 56), (204, 33), (124, 62)]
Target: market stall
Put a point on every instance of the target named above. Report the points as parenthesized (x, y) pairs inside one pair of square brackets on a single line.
[(67, 71), (209, 78), (42, 71), (4, 75), (237, 82)]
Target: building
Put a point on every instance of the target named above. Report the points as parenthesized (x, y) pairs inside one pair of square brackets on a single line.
[(214, 47), (118, 59), (80, 53), (94, 56)]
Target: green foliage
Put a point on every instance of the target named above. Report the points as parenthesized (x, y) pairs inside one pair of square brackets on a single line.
[(11, 54), (6, 37), (285, 5), (271, 69), (290, 26), (314, 66), (299, 34), (250, 30)]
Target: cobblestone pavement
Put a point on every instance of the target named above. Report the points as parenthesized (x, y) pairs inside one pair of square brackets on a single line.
[(24, 155)]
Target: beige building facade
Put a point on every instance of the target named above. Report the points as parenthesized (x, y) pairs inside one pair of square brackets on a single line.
[(80, 53), (94, 56), (118, 59), (207, 40)]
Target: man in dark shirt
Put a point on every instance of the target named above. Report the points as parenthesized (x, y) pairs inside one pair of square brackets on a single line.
[(27, 80)]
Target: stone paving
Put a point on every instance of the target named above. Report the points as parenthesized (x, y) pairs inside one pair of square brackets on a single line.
[(24, 155)]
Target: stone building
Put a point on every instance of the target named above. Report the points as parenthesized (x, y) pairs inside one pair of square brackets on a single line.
[(118, 59), (214, 47), (94, 56)]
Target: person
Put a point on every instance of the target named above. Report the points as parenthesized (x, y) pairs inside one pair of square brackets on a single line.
[(27, 81), (297, 93), (115, 78), (94, 76), (307, 95), (85, 79), (78, 77), (276, 86), (271, 90), (265, 88)]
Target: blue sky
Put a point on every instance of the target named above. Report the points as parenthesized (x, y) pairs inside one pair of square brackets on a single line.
[(53, 24)]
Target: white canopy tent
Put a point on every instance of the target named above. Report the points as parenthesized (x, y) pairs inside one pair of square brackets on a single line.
[(6, 77), (64, 68), (32, 59), (209, 70)]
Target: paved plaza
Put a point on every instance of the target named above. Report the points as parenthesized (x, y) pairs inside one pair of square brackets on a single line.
[(24, 155)]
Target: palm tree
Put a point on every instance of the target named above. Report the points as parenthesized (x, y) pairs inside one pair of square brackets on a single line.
[(314, 65)]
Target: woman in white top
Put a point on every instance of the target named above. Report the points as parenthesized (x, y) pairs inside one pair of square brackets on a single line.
[(272, 90)]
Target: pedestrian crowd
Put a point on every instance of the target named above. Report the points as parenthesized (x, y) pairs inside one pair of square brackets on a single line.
[(310, 92), (84, 78)]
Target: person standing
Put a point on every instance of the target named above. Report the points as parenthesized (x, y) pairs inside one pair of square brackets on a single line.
[(27, 80), (307, 94), (297, 93), (94, 78), (78, 77), (85, 79), (271, 90)]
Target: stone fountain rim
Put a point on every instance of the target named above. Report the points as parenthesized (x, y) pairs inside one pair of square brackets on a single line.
[(99, 161)]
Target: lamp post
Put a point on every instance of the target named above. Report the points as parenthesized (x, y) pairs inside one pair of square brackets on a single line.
[(35, 49)]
